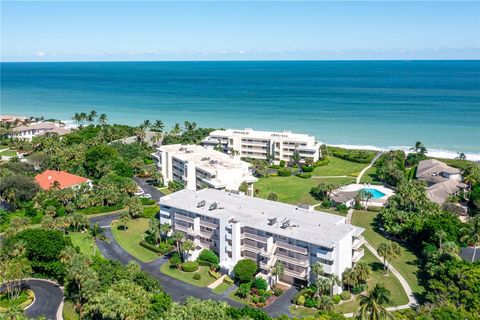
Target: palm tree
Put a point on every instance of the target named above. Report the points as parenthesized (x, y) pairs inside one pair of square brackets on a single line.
[(147, 124), (449, 248), (317, 268), (362, 271), (388, 252), (187, 246), (97, 233), (278, 270), (373, 305), (333, 280), (124, 218), (349, 278), (461, 156), (472, 234), (176, 130), (158, 126), (178, 237), (441, 235), (419, 148), (323, 285), (325, 303), (103, 119), (164, 230), (91, 116)]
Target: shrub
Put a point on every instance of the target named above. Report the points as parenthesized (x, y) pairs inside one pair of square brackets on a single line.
[(284, 172), (214, 274), (326, 204), (209, 256), (374, 208), (358, 289), (197, 276), (260, 284), (306, 168), (282, 163), (149, 212), (360, 156), (175, 260), (148, 202), (345, 295), (310, 303), (243, 290), (228, 280), (275, 166), (277, 291), (304, 175), (244, 270), (163, 248), (301, 300), (321, 163), (190, 266), (207, 264), (342, 208), (336, 299)]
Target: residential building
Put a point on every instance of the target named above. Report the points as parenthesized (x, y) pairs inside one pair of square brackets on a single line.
[(265, 145), (238, 227), (37, 129), (442, 180), (65, 180), (198, 167)]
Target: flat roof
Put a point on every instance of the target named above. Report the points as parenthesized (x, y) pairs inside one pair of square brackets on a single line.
[(310, 226), (264, 134), (205, 158)]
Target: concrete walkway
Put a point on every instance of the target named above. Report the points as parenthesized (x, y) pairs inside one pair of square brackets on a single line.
[(369, 166), (217, 282)]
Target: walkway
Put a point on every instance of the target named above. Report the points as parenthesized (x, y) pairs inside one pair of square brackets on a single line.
[(369, 166)]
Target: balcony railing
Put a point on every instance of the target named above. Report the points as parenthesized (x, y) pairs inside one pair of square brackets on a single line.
[(296, 274), (292, 260), (247, 247), (182, 217), (208, 224), (254, 237), (357, 255), (360, 241), (291, 247), (327, 255)]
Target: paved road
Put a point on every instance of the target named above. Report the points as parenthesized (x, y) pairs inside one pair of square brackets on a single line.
[(178, 290), (48, 297), (151, 190)]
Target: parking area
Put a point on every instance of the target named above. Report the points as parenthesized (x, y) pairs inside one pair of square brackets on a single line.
[(148, 189)]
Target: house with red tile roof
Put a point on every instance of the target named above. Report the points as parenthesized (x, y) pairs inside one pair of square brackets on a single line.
[(65, 179)]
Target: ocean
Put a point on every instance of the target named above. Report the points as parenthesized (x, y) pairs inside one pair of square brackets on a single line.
[(365, 104)]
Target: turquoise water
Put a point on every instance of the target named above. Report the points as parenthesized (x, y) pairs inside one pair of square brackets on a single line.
[(376, 103), (375, 193)]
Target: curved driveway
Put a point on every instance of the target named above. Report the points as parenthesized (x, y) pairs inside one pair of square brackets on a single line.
[(48, 298)]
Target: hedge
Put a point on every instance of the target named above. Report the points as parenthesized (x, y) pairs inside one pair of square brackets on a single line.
[(207, 264), (147, 202), (209, 256), (189, 266), (360, 156), (306, 168), (304, 175), (214, 274), (284, 172), (374, 208), (156, 249)]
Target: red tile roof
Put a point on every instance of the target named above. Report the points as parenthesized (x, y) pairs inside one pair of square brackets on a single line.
[(66, 180)]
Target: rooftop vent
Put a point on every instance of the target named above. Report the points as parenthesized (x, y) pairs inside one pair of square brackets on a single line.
[(285, 224), (272, 221), (213, 206), (201, 204)]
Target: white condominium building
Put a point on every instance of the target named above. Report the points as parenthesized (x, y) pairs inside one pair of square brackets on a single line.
[(262, 144), (198, 167), (236, 227)]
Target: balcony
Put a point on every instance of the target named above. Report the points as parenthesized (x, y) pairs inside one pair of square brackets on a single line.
[(357, 255), (292, 260), (296, 274), (327, 268), (228, 236), (182, 217), (247, 247), (357, 243), (291, 247), (208, 224), (253, 237), (323, 254), (187, 230)]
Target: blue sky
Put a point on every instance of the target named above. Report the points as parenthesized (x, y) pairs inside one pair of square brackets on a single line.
[(66, 31)]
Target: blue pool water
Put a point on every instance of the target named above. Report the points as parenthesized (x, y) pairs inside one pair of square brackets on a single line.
[(376, 194)]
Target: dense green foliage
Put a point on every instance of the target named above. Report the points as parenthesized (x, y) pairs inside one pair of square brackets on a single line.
[(360, 156), (244, 270), (209, 256), (391, 167)]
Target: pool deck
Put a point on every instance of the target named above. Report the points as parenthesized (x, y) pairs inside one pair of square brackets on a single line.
[(358, 186)]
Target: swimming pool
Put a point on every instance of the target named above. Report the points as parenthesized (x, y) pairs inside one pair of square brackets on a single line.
[(376, 194)]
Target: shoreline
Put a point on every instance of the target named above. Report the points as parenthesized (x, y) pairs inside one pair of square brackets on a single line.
[(434, 153)]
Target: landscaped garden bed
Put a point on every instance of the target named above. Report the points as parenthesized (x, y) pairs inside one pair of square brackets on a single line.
[(24, 299), (189, 277)]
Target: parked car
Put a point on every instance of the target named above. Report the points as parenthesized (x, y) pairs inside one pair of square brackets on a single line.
[(146, 195)]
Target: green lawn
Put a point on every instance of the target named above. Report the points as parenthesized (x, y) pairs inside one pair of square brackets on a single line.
[(339, 167), (8, 153), (165, 190), (397, 294), (293, 189), (221, 288), (84, 242), (302, 311), (130, 238), (236, 298), (187, 277), (69, 312), (370, 176), (331, 211), (406, 264)]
